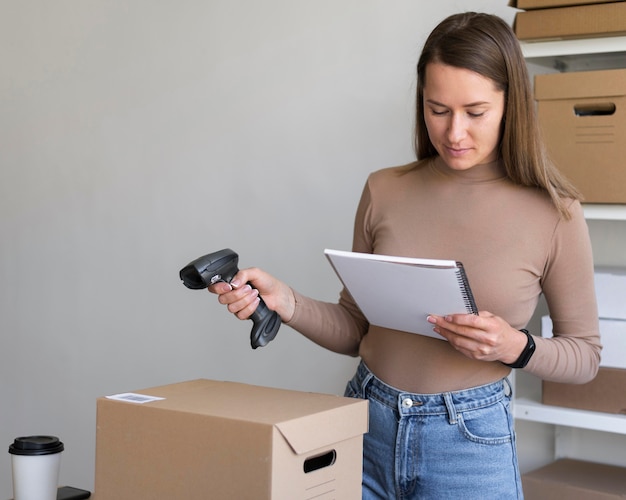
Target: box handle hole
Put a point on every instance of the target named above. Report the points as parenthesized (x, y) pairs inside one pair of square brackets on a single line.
[(600, 109), (320, 461)]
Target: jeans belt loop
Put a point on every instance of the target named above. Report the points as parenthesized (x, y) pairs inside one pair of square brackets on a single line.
[(452, 415), (508, 388), (368, 378)]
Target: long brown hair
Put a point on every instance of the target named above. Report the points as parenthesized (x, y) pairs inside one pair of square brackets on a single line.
[(486, 45)]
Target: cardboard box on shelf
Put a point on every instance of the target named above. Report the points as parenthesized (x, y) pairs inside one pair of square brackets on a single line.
[(583, 121), (611, 292), (214, 439), (605, 393), (579, 21), (568, 478), (545, 4)]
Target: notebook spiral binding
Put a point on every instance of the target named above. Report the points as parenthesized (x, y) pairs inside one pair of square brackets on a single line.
[(466, 291)]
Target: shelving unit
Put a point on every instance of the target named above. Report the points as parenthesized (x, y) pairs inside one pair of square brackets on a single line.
[(571, 424), (582, 55)]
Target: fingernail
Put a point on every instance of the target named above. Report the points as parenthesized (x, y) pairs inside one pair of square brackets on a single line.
[(234, 284), (430, 319)]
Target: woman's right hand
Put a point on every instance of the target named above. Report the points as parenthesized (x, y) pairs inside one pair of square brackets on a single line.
[(242, 299)]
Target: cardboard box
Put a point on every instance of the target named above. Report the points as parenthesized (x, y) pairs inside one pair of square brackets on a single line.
[(580, 21), (210, 439), (583, 121), (575, 479), (611, 293), (605, 393), (544, 4), (612, 336)]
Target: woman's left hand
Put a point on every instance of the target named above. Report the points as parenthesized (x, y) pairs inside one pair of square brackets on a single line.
[(485, 337)]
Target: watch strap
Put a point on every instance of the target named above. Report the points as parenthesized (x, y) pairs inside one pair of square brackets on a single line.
[(526, 354)]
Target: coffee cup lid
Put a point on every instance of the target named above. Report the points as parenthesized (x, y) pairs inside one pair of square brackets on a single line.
[(36, 445)]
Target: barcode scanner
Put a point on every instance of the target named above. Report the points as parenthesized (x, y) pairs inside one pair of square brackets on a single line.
[(222, 266)]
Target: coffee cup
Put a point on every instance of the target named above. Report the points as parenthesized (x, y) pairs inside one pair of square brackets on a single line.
[(36, 462)]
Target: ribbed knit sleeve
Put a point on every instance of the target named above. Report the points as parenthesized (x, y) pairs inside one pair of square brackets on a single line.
[(573, 354), (333, 326)]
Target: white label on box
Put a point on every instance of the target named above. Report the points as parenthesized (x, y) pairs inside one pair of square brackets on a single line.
[(131, 397)]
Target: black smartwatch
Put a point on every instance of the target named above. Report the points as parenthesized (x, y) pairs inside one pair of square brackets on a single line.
[(527, 353)]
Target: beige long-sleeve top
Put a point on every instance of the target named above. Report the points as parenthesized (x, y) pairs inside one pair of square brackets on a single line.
[(514, 246)]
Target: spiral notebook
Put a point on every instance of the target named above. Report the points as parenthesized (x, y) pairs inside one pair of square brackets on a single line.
[(400, 292)]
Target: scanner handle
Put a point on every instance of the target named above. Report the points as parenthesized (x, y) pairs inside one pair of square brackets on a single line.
[(266, 325)]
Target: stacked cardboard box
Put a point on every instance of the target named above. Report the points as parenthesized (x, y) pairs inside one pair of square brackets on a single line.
[(606, 392), (209, 439), (583, 122), (564, 19)]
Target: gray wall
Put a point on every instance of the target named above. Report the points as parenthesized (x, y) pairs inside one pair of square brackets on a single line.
[(138, 135)]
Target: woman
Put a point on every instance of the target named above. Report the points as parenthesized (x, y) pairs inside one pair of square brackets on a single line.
[(483, 192)]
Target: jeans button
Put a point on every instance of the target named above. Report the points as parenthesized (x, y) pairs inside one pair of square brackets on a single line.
[(407, 403)]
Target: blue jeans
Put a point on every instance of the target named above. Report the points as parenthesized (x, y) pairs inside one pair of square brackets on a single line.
[(437, 446)]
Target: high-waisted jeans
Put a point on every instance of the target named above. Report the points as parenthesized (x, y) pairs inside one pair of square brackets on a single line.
[(451, 445)]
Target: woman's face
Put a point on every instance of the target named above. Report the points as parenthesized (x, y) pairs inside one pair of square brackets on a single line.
[(463, 112)]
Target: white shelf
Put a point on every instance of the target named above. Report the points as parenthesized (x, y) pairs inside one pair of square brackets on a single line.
[(579, 46), (604, 212), (525, 409), (574, 55)]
